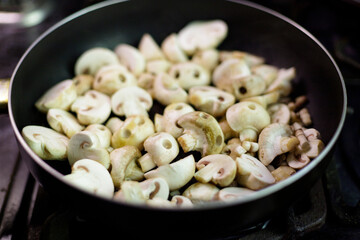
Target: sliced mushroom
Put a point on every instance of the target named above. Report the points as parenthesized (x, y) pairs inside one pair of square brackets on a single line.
[(149, 48), (124, 167), (146, 81), (282, 173), (201, 133), (131, 58), (266, 72), (297, 160), (167, 90), (157, 66), (61, 96), (133, 131), (93, 107), (264, 100), (172, 50), (201, 192), (168, 121), (93, 59), (131, 192), (248, 119), (233, 193), (111, 78), (92, 177), (219, 169), (234, 148), (211, 100), (274, 140), (208, 58), (130, 101), (250, 59), (83, 83), (282, 83), (86, 144), (181, 201), (248, 86), (201, 35), (176, 174), (189, 74), (63, 122), (102, 132), (45, 142), (279, 113), (252, 174), (113, 124), (227, 130)]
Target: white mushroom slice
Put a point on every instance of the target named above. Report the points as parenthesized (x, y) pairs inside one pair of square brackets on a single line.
[(130, 101), (167, 122), (266, 72), (146, 82), (248, 119), (93, 59), (61, 96), (208, 59), (63, 122), (172, 50), (264, 100), (111, 78), (282, 83), (159, 202), (248, 86), (45, 142), (224, 74), (201, 133), (124, 167), (176, 174), (134, 131), (83, 83), (297, 161), (102, 132), (211, 100), (149, 48), (155, 188), (316, 146), (93, 107), (227, 130), (219, 169), (92, 177), (131, 58), (131, 192), (252, 174), (233, 193), (167, 90), (190, 74), (86, 144), (157, 66), (279, 113), (274, 140), (201, 35), (250, 59), (161, 149), (234, 148), (282, 173), (201, 192), (113, 124), (181, 201)]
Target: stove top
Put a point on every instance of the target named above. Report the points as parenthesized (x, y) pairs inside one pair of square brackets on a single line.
[(330, 210)]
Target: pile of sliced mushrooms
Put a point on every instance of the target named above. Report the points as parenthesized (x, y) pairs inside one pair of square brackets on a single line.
[(227, 126)]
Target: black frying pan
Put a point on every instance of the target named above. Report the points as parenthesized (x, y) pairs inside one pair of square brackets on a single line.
[(252, 28)]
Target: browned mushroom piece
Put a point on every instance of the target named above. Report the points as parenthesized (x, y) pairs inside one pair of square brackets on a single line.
[(282, 173)]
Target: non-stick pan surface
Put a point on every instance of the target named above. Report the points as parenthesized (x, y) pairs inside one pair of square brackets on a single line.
[(252, 28)]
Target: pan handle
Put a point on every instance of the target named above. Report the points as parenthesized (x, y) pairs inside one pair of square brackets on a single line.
[(4, 93)]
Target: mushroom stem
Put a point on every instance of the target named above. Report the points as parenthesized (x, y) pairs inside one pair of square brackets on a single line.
[(299, 133), (187, 142), (287, 144), (248, 135), (146, 162)]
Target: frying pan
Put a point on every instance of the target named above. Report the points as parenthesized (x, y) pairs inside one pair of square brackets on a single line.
[(252, 28)]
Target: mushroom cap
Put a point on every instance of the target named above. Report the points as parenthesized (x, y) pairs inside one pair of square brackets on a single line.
[(181, 201), (266, 72), (211, 100), (279, 113), (227, 130), (113, 124), (208, 58), (250, 59), (172, 50), (282, 83), (202, 133), (219, 169), (130, 192), (63, 122), (190, 74), (264, 100), (176, 174), (201, 192), (93, 107), (131, 100), (83, 83), (131, 58), (233, 193), (155, 188), (167, 90), (45, 142), (61, 96), (157, 66), (248, 86), (102, 132), (149, 48), (92, 177)]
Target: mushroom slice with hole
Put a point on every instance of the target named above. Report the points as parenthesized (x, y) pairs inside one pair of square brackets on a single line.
[(168, 121), (61, 96), (130, 101), (92, 177), (167, 90), (157, 66), (201, 35), (266, 72), (233, 193), (279, 113), (233, 148), (248, 86), (219, 169), (93, 107), (282, 173), (190, 74), (282, 83), (149, 48), (83, 83), (208, 58), (172, 50), (102, 132), (113, 124), (202, 133), (211, 100), (63, 122), (252, 174), (133, 131), (131, 58), (248, 119), (155, 188), (201, 192), (181, 201), (45, 142), (124, 167), (176, 174), (93, 59), (161, 149), (250, 59), (264, 100), (86, 144), (274, 140), (111, 78)]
